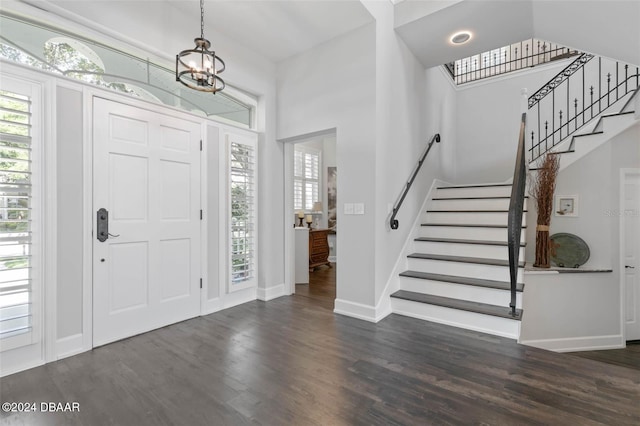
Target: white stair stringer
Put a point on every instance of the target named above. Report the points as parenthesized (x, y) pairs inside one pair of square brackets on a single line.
[(457, 272)]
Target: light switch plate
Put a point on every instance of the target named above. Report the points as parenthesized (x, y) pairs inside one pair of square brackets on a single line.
[(358, 208), (348, 208)]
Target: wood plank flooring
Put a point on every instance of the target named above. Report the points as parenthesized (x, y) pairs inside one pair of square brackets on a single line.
[(628, 357), (291, 361)]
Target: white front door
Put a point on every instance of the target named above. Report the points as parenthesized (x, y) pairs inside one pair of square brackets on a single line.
[(146, 167), (631, 229)]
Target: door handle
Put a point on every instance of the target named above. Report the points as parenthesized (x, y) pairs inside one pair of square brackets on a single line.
[(629, 267), (102, 225)]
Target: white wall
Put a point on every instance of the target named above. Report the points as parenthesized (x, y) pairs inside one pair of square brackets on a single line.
[(401, 137), (582, 310), (571, 311), (332, 86), (607, 28), (488, 122), (441, 117)]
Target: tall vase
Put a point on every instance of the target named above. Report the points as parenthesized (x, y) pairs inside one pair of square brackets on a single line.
[(542, 247)]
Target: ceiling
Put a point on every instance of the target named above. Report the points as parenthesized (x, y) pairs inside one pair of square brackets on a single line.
[(607, 28), (428, 35), (275, 29)]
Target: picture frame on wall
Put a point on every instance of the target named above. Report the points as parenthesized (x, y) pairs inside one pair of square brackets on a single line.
[(332, 206), (566, 205)]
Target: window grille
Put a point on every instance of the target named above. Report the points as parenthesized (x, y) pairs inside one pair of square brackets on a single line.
[(306, 181), (15, 215), (242, 212)]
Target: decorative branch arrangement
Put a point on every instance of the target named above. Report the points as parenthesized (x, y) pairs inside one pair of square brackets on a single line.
[(543, 185)]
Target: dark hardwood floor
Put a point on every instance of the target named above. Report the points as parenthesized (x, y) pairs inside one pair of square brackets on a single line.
[(628, 357), (321, 289), (291, 361)]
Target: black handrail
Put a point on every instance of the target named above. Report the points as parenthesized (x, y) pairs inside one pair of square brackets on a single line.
[(516, 204), (393, 222)]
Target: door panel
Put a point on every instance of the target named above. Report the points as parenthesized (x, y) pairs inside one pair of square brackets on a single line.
[(147, 175), (631, 226), (129, 283)]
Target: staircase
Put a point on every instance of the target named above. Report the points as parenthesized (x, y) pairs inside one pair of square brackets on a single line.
[(603, 128), (458, 272)]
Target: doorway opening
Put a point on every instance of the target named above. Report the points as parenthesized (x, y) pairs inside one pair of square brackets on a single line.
[(311, 190)]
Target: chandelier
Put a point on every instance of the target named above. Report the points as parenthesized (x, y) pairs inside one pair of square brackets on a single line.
[(199, 68)]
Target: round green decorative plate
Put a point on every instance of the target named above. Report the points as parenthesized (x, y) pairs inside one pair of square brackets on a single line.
[(568, 251)]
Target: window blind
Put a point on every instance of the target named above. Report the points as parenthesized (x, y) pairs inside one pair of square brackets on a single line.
[(242, 212), (15, 214), (306, 182)]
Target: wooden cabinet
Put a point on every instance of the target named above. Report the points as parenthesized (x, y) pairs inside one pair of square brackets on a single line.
[(318, 248)]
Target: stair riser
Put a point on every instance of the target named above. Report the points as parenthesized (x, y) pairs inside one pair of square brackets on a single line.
[(467, 250), (471, 270), (465, 233), (474, 218), (485, 191), (491, 296), (479, 204), (469, 320)]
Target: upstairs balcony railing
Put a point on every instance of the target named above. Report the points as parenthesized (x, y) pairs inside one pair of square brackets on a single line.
[(583, 90), (506, 59)]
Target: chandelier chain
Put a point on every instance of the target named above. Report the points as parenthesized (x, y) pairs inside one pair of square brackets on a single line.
[(201, 18)]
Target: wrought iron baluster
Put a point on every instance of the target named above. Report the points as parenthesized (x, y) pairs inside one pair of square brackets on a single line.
[(583, 95), (538, 123), (560, 128), (599, 85), (591, 89), (608, 89), (546, 137), (553, 117), (617, 83), (575, 114), (626, 77)]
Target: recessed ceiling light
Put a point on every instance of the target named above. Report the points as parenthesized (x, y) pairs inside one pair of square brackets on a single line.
[(460, 37)]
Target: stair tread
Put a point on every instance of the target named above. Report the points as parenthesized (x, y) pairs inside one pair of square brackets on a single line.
[(462, 241), (614, 114), (488, 185), (469, 211), (464, 259), (463, 305), (467, 225), (568, 151), (472, 198), (589, 134), (501, 285)]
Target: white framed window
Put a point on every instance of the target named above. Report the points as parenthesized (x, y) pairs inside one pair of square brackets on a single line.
[(306, 177), (242, 211), (19, 207)]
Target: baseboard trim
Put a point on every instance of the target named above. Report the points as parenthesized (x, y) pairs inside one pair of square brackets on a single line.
[(576, 344), (270, 293), (22, 367), (355, 310), (210, 306), (69, 346)]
